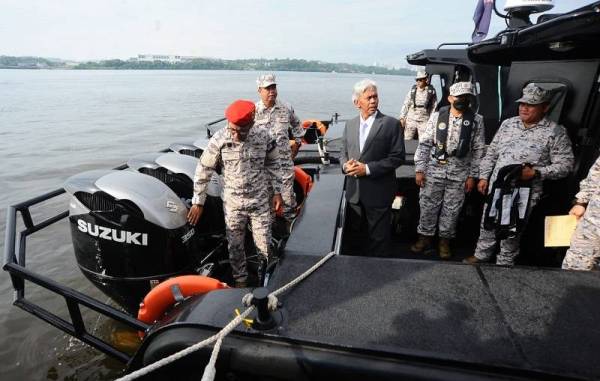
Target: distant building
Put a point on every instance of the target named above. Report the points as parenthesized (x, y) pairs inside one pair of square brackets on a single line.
[(162, 58)]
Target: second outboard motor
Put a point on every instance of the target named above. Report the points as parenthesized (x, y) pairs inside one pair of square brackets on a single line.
[(129, 232), (177, 172)]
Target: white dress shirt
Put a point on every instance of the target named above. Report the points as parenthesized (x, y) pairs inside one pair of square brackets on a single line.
[(364, 128)]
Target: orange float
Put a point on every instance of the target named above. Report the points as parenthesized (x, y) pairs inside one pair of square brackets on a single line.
[(161, 297), (303, 179), (320, 126), (305, 182)]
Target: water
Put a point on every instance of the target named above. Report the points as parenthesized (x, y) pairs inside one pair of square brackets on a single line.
[(54, 124)]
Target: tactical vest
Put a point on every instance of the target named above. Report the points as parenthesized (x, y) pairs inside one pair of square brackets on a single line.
[(440, 152), (413, 96)]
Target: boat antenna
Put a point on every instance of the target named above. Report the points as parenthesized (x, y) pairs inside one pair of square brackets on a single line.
[(498, 13)]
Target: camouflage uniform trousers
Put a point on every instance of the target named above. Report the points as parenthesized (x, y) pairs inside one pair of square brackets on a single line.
[(287, 189), (236, 220), (414, 126), (584, 253), (443, 198), (509, 247)]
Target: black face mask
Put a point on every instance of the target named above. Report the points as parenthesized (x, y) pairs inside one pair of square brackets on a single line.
[(461, 104)]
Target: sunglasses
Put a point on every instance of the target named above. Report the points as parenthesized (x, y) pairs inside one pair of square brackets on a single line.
[(421, 79)]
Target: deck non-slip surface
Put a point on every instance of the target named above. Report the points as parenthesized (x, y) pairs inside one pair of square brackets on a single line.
[(541, 320)]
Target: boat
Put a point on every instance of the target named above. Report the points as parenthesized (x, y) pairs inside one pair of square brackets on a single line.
[(355, 316)]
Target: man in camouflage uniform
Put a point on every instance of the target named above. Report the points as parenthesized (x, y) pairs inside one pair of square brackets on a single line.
[(249, 160), (446, 169), (281, 120), (418, 106), (537, 143), (584, 253)]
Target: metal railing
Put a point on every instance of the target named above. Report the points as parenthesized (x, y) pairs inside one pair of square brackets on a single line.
[(15, 264)]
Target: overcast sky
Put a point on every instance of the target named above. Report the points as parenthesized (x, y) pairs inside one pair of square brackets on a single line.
[(334, 31)]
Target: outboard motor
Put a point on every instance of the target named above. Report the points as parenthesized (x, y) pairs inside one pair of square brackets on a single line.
[(129, 232), (188, 149), (177, 172), (194, 149)]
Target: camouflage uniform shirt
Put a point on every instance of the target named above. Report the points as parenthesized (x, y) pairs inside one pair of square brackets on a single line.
[(419, 113), (456, 169), (589, 188), (545, 146), (282, 120), (248, 166), (584, 253)]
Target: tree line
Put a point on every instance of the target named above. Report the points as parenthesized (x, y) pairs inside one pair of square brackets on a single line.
[(286, 64)]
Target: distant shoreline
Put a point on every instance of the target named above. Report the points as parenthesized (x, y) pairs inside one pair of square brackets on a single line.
[(264, 65)]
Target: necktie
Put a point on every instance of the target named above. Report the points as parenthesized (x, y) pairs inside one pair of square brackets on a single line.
[(363, 135)]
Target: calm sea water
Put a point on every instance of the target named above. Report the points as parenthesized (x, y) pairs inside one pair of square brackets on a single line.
[(54, 124)]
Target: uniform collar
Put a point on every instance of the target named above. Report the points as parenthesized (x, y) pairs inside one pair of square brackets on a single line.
[(260, 106), (544, 122)]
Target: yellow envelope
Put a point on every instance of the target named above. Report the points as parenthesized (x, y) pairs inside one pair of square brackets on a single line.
[(558, 230)]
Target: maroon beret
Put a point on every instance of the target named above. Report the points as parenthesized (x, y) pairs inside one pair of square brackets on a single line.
[(240, 112)]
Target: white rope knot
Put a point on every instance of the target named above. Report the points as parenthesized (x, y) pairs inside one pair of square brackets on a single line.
[(273, 303), (247, 299)]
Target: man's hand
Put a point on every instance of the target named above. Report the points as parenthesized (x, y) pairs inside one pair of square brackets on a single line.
[(469, 184), (349, 164), (277, 202), (420, 179), (294, 147), (527, 173), (194, 214), (356, 168), (577, 211), (482, 186)]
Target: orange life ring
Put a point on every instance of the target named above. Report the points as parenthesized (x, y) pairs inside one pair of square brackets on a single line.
[(161, 297)]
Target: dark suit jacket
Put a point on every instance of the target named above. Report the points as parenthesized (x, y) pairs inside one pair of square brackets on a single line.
[(383, 153)]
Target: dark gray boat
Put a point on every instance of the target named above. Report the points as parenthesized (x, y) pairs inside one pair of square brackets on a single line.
[(357, 316)]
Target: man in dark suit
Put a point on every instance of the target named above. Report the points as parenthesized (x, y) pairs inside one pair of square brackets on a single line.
[(372, 149)]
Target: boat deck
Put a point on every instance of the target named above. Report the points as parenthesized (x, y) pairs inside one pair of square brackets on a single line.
[(535, 319)]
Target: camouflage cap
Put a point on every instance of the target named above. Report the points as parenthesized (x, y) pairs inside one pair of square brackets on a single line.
[(421, 74), (266, 80), (533, 95), (461, 88)]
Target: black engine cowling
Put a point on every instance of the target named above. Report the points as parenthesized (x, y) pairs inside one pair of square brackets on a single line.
[(129, 232)]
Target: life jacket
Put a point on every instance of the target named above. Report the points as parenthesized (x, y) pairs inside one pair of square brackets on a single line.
[(429, 99), (508, 203), (440, 152)]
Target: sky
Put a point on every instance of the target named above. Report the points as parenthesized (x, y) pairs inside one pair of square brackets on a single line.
[(363, 32)]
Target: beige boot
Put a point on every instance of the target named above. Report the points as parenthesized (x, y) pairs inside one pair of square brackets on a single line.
[(473, 260), (423, 243), (444, 248)]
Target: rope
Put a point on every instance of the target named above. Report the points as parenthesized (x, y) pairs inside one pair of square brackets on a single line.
[(184, 352), (210, 370)]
